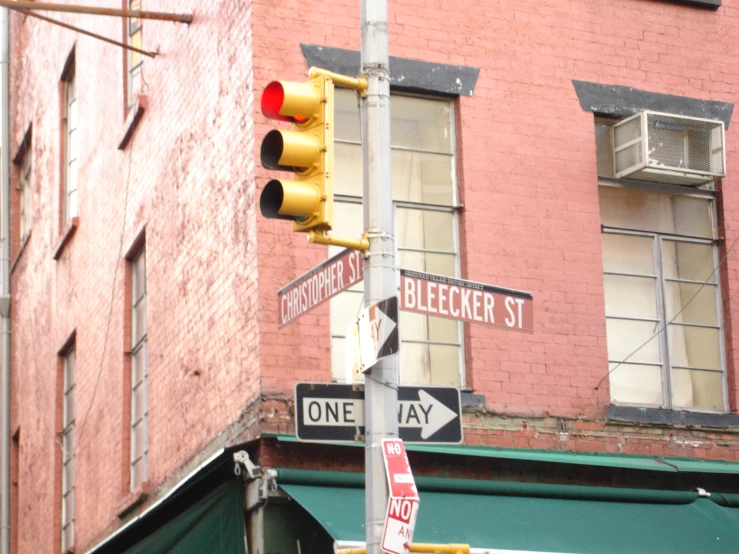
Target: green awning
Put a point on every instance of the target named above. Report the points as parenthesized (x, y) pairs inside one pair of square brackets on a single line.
[(215, 525), (531, 517)]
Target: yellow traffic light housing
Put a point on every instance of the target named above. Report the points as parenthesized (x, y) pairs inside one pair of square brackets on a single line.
[(306, 150)]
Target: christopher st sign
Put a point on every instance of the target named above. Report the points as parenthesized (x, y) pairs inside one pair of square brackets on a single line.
[(466, 301), (319, 284)]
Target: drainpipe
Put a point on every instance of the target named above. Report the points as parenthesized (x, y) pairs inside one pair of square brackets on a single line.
[(5, 283)]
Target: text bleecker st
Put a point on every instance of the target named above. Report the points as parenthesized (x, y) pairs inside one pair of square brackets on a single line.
[(319, 284), (466, 301)]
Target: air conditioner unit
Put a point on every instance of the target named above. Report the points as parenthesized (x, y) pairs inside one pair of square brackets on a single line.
[(668, 148)]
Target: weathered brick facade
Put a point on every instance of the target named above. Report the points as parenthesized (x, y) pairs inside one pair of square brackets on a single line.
[(188, 182)]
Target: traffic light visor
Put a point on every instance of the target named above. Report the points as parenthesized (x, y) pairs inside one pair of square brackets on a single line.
[(290, 150), (287, 101), (294, 200)]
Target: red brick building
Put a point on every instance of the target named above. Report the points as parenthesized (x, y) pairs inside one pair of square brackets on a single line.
[(145, 350)]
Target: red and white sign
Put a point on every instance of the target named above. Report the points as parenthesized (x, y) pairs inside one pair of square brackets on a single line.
[(400, 521), (398, 469), (466, 301), (318, 285)]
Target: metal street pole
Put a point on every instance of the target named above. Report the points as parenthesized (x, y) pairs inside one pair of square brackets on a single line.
[(380, 389)]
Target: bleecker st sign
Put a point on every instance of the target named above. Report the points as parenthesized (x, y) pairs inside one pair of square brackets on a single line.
[(466, 301)]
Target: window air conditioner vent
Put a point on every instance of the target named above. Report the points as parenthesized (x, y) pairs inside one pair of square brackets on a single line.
[(667, 148)]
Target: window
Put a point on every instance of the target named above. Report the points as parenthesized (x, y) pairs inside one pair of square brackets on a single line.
[(139, 373), (25, 195), (135, 59), (68, 446), (659, 255), (71, 147), (424, 200)]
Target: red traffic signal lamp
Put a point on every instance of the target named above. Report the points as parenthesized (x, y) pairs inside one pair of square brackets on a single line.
[(306, 150)]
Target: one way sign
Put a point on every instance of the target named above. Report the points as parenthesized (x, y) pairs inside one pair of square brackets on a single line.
[(334, 412), (372, 337)]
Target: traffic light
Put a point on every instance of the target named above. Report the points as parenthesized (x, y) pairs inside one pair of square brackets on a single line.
[(306, 150)]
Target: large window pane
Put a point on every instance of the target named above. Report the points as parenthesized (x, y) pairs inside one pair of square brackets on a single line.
[(636, 384), (422, 177), (444, 361), (701, 390), (338, 359), (443, 330), (140, 320), (139, 364), (415, 366), (424, 229), (438, 264), (687, 260), (345, 309), (346, 116), (139, 401), (694, 303), (625, 337), (348, 173), (661, 213), (420, 123), (139, 439), (69, 406), (631, 296), (413, 326), (628, 254), (694, 347)]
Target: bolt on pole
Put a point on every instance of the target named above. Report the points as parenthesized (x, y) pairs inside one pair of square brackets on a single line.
[(381, 394)]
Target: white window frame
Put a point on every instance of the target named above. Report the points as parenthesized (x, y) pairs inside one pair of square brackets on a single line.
[(139, 424), (454, 209), (71, 144), (133, 26), (68, 448), (25, 194), (661, 321)]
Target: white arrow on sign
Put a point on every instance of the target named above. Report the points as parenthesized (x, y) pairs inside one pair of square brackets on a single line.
[(434, 414), (426, 413), (376, 324)]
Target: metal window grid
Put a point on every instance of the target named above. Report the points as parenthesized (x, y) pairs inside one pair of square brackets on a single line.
[(663, 339), (139, 373), (452, 209)]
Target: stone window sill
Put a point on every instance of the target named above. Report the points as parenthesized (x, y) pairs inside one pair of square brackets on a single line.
[(133, 499), (132, 121), (21, 250), (67, 235), (669, 418)]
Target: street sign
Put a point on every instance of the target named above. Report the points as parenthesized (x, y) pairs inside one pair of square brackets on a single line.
[(372, 337), (466, 301), (334, 412), (400, 480), (314, 287), (400, 521)]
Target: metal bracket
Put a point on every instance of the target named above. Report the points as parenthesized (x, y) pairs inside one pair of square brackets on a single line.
[(242, 460), (269, 484), (361, 244)]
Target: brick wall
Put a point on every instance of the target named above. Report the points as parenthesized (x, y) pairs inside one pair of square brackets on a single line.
[(185, 181), (527, 172)]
